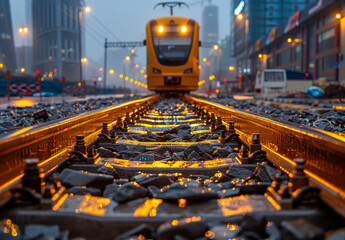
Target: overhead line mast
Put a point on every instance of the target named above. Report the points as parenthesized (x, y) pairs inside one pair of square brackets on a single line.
[(171, 5)]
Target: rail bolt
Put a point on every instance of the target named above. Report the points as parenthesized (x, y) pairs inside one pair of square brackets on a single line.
[(105, 129), (112, 136), (33, 176), (255, 146), (119, 122), (223, 137), (219, 121), (286, 202), (231, 128), (80, 144), (213, 126), (127, 119), (298, 178), (277, 182), (90, 155), (125, 127)]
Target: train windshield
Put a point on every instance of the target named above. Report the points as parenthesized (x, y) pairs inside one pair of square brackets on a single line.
[(172, 46)]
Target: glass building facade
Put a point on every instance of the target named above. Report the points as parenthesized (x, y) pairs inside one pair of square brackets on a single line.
[(7, 53), (56, 38), (261, 17)]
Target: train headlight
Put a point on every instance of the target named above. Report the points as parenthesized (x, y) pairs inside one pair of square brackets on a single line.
[(183, 29), (160, 29)]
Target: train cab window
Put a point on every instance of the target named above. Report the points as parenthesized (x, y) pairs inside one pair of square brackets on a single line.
[(172, 44)]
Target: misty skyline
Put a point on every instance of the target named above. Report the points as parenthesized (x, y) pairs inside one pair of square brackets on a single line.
[(126, 21)]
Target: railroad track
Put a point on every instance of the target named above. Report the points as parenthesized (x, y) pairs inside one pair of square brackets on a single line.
[(177, 168)]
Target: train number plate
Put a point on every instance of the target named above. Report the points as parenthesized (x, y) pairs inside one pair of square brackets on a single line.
[(170, 80)]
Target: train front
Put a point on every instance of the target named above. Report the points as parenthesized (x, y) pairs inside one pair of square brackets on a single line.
[(172, 54)]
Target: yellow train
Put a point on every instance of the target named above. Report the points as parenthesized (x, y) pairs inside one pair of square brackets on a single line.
[(172, 54)]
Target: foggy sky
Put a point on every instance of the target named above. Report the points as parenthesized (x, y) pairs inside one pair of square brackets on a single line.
[(126, 19)]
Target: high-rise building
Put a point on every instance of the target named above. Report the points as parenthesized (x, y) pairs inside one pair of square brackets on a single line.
[(259, 17), (209, 26), (7, 53), (56, 38)]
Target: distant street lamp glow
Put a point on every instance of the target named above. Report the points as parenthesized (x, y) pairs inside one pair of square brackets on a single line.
[(142, 70), (204, 59), (136, 65), (111, 71), (22, 70), (1, 65), (338, 16), (84, 60), (128, 58), (215, 47), (289, 40), (132, 51), (231, 68), (87, 9), (126, 78), (240, 16), (260, 55), (121, 75)]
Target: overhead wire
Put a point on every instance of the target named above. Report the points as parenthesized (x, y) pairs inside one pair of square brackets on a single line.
[(105, 27)]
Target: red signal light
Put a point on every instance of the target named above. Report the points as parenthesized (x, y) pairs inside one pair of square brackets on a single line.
[(214, 90), (307, 74), (208, 63), (207, 90), (225, 80), (37, 72), (94, 79)]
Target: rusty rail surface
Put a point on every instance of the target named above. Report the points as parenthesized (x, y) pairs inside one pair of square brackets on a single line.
[(324, 152), (51, 142)]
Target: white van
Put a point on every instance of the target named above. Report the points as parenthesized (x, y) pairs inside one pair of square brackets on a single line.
[(274, 82)]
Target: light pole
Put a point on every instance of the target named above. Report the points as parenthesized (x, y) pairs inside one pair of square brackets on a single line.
[(218, 50), (23, 30), (82, 9), (246, 39), (127, 59)]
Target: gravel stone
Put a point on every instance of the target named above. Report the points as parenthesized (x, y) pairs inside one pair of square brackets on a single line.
[(72, 178)]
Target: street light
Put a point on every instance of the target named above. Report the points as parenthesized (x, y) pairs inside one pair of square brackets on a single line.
[(23, 30), (84, 60), (87, 9), (338, 16), (82, 9), (246, 40), (128, 58)]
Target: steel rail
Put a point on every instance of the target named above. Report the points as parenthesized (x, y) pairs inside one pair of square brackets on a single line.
[(324, 152), (51, 142)]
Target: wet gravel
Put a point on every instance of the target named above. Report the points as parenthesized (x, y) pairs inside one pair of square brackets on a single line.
[(17, 117), (333, 120), (173, 189)]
